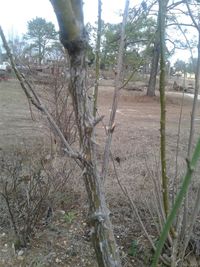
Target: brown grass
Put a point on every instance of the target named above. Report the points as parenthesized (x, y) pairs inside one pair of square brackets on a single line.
[(135, 142)]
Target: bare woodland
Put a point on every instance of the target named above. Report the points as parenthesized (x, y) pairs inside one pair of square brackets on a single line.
[(115, 168)]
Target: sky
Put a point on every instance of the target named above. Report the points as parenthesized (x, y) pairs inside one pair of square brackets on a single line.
[(14, 15)]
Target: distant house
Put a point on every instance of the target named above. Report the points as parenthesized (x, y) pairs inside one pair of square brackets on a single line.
[(190, 75), (181, 74)]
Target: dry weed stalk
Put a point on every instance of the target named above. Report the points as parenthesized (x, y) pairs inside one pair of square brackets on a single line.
[(188, 224), (25, 191), (136, 212)]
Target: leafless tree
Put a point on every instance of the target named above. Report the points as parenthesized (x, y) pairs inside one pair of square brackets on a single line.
[(74, 39)]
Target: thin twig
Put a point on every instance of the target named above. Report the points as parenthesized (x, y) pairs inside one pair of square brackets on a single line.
[(97, 59), (184, 188), (174, 182), (111, 124), (135, 210), (193, 116), (35, 100)]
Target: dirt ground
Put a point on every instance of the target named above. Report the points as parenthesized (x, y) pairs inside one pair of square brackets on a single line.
[(135, 151)]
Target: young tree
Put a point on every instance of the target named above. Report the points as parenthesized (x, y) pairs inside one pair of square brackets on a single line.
[(40, 33), (162, 23), (74, 39), (184, 229), (156, 49), (20, 50), (154, 62), (139, 32)]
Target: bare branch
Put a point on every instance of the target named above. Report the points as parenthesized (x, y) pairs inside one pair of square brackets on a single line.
[(116, 94), (135, 210), (172, 6), (35, 100), (191, 16), (97, 59), (181, 24)]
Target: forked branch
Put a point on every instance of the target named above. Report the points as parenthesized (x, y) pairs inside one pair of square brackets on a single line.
[(35, 99)]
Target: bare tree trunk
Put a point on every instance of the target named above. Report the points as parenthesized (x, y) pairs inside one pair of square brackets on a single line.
[(154, 67), (73, 38), (40, 54), (155, 59), (154, 63)]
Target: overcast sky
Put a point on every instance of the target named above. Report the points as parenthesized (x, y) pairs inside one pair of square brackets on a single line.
[(14, 14)]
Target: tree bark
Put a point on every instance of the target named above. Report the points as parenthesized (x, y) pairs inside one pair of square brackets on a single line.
[(162, 18), (73, 38), (39, 52), (154, 69), (154, 64)]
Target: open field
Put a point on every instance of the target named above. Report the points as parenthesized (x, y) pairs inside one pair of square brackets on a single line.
[(135, 150), (16, 124)]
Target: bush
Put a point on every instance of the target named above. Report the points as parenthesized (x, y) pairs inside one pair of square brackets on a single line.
[(27, 191)]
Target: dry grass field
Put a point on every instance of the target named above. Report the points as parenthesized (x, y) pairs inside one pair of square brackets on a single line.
[(135, 150)]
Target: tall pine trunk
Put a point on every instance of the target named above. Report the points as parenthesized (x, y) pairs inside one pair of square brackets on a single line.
[(154, 67)]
